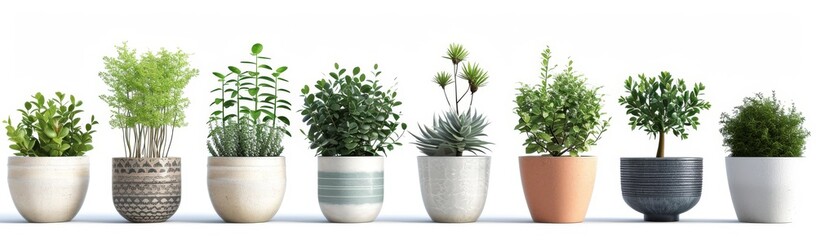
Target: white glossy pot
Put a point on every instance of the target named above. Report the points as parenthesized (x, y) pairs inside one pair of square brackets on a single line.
[(246, 189), (48, 189), (762, 189), (350, 189), (454, 189)]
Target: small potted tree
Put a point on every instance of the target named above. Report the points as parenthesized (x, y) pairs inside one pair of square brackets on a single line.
[(662, 187), (561, 117), (454, 187), (766, 141), (48, 176), (352, 122), (147, 104), (246, 175)]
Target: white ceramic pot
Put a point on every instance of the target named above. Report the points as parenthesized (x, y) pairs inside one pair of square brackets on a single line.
[(762, 189), (246, 189), (48, 189), (454, 189), (350, 189)]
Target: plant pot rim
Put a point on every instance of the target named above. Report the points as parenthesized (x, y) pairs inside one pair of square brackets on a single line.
[(46, 157), (350, 156), (549, 156), (269, 157), (147, 158), (765, 158), (468, 156), (663, 158)]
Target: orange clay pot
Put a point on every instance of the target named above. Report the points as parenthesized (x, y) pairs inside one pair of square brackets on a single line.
[(558, 189)]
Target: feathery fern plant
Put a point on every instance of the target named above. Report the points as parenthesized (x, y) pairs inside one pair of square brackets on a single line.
[(455, 131), (255, 129)]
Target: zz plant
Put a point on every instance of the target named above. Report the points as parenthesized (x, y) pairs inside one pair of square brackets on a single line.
[(764, 127), (662, 105), (247, 123), (351, 114), (562, 114), (146, 97), (458, 130), (51, 128)]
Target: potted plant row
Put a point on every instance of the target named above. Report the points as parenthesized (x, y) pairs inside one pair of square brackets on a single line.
[(352, 123), (147, 103), (246, 175), (766, 141), (48, 176), (454, 187), (562, 118)]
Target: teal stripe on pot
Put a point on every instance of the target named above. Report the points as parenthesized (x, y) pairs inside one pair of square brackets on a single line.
[(349, 175), (349, 181), (351, 200), (350, 188)]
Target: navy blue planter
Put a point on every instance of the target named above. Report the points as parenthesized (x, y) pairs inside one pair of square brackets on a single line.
[(661, 188)]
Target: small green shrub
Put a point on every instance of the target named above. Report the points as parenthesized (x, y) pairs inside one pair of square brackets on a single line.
[(763, 127), (560, 115), (351, 115), (51, 128), (661, 105), (456, 131), (254, 129)]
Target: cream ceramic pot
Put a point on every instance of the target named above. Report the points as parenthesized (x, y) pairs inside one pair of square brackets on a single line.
[(762, 189), (246, 189), (48, 189)]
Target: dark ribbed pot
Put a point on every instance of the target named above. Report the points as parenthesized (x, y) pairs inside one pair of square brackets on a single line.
[(146, 190), (661, 188)]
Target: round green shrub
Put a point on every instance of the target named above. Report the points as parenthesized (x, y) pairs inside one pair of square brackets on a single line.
[(763, 127)]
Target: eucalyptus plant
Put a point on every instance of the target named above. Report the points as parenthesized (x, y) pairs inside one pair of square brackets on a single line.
[(662, 105), (457, 130), (146, 98), (351, 114), (51, 128), (764, 127), (254, 128), (560, 115)]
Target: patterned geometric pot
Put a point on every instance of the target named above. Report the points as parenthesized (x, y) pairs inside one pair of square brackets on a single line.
[(350, 189), (146, 190), (662, 188), (454, 189), (246, 189), (48, 189)]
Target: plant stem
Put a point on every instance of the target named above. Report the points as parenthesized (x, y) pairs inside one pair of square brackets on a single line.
[(275, 105), (660, 145), (446, 97), (471, 102), (257, 74), (223, 99), (456, 85)]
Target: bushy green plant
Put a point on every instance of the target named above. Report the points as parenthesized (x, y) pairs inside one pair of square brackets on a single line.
[(254, 129), (146, 98), (560, 115), (455, 131), (763, 127), (659, 105), (51, 128), (351, 114)]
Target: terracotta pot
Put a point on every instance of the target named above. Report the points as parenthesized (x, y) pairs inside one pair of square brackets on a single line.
[(246, 189), (350, 189), (146, 190), (454, 189), (558, 189), (48, 189), (763, 188)]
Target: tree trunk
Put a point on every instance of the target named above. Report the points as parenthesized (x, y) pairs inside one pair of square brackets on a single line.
[(660, 145)]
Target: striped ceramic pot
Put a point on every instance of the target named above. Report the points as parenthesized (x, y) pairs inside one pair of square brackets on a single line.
[(146, 190), (350, 189)]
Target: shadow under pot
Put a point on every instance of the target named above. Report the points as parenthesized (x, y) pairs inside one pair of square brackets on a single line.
[(558, 189), (146, 190), (350, 189), (662, 188), (246, 189), (48, 189), (454, 188), (763, 188)]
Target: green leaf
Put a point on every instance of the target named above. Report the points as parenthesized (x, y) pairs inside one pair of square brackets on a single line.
[(256, 49), (234, 70), (253, 91), (281, 69)]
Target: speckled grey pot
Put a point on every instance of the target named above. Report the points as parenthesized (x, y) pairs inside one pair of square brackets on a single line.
[(454, 189), (661, 188)]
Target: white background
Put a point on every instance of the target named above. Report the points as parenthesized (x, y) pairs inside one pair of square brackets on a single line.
[(735, 48)]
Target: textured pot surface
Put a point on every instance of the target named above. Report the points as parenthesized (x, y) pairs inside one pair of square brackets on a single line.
[(48, 189), (146, 190), (246, 189), (558, 189), (763, 189), (662, 188), (350, 189), (454, 189)]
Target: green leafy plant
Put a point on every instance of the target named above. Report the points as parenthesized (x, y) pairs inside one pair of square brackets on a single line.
[(146, 98), (351, 115), (254, 129), (661, 105), (560, 115), (763, 127), (51, 128), (455, 131)]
